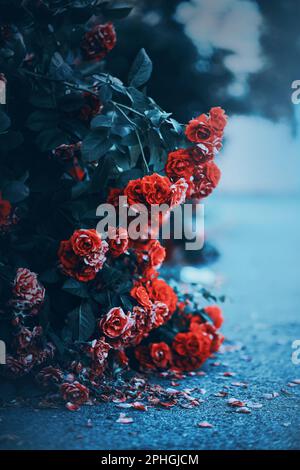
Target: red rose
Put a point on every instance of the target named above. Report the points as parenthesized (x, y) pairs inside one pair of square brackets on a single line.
[(99, 41), (5, 210), (180, 165), (218, 120), (179, 192), (85, 242), (210, 331), (192, 349), (67, 257), (161, 313), (115, 323), (140, 294), (201, 154), (75, 393), (134, 192), (161, 291), (215, 313), (27, 290), (160, 354), (117, 240), (206, 179), (200, 130), (156, 189), (50, 376), (151, 254), (187, 344), (83, 255)]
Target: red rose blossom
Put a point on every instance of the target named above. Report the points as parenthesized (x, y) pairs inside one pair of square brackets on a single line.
[(85, 242), (215, 313), (161, 291), (218, 120), (206, 179), (156, 189), (180, 165), (99, 41), (83, 255), (160, 354), (117, 241), (115, 323), (140, 294)]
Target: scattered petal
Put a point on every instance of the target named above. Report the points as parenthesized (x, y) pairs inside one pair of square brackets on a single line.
[(123, 419), (204, 424)]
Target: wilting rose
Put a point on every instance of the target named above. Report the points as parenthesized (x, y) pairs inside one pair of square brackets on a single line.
[(75, 392), (161, 313), (27, 291), (50, 376)]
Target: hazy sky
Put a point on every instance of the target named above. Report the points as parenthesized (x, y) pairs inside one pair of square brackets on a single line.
[(260, 155)]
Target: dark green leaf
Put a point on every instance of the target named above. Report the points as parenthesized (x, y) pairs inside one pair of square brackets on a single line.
[(15, 191), (81, 322), (4, 121), (141, 69), (74, 287), (40, 120), (95, 145)]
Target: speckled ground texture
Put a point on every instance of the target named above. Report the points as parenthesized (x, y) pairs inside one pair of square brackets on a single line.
[(259, 270)]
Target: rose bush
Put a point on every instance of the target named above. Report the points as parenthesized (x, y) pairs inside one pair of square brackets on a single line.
[(72, 304)]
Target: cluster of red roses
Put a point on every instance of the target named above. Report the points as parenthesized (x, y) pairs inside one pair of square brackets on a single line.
[(190, 173), (28, 295), (195, 164), (188, 350)]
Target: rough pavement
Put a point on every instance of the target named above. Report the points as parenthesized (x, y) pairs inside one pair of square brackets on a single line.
[(259, 270)]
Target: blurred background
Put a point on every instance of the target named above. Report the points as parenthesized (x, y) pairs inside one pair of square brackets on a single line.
[(242, 55)]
